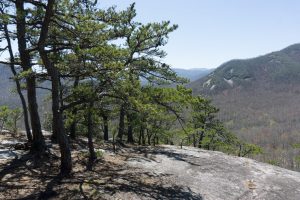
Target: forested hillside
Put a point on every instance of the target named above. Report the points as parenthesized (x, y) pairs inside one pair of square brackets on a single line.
[(259, 100), (7, 94)]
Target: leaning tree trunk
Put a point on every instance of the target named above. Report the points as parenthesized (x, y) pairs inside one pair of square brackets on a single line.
[(38, 144), (58, 123), (18, 85), (25, 112)]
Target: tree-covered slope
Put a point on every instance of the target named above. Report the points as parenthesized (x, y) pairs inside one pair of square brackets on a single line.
[(9, 97), (7, 94), (259, 100), (276, 68)]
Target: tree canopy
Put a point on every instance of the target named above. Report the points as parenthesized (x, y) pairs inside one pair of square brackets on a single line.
[(104, 69)]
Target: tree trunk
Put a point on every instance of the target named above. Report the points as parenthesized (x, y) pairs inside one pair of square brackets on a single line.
[(54, 132), (105, 130), (72, 130), (130, 131), (18, 85), (25, 113), (240, 150), (38, 144), (58, 123), (154, 140), (141, 135), (149, 137), (90, 127), (15, 128), (200, 139), (121, 124)]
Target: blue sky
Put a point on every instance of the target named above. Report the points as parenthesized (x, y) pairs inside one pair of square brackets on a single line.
[(214, 31)]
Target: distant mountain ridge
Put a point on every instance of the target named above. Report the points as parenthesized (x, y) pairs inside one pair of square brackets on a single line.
[(280, 67), (193, 73), (259, 100)]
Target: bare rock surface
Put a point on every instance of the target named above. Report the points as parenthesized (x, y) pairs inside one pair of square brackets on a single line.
[(217, 176), (135, 172), (7, 152)]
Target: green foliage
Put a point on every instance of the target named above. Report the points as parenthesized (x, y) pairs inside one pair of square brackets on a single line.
[(14, 117), (202, 129), (203, 113), (101, 57), (273, 162), (9, 118), (47, 121), (99, 153), (296, 146), (247, 149), (297, 159), (4, 115)]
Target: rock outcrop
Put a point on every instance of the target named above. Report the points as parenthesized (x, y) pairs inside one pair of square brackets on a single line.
[(217, 176)]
